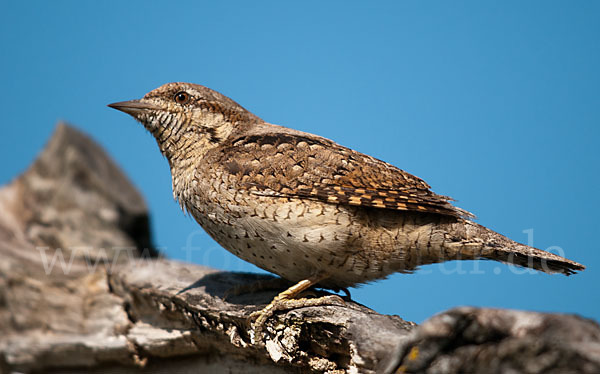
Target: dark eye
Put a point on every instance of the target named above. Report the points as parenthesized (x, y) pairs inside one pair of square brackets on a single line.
[(182, 97)]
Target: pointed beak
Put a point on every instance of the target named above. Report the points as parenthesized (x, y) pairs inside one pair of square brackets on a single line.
[(133, 107)]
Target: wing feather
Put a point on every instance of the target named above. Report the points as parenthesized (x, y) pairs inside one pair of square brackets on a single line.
[(307, 166)]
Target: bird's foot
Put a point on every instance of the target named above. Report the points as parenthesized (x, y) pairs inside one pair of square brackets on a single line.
[(260, 317), (286, 301)]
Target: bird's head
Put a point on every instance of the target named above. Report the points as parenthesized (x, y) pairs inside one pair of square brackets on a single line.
[(187, 116)]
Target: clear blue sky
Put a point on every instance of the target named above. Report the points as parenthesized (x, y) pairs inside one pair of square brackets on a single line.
[(494, 103)]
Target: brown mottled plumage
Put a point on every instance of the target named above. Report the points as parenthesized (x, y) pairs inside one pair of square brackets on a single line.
[(304, 207), (302, 166)]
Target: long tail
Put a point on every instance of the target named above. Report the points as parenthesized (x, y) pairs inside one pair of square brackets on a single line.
[(474, 241)]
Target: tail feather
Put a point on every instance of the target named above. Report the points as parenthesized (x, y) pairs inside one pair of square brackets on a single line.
[(490, 245), (529, 257)]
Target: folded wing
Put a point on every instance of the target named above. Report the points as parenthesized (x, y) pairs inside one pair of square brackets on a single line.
[(301, 165)]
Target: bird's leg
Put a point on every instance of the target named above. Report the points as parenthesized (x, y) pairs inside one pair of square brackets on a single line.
[(346, 291), (286, 300)]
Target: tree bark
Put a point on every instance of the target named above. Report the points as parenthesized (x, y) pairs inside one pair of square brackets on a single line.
[(82, 288)]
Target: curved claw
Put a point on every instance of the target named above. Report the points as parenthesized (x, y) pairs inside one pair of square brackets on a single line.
[(287, 304), (285, 300)]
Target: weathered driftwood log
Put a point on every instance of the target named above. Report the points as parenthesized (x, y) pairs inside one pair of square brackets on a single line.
[(81, 287)]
